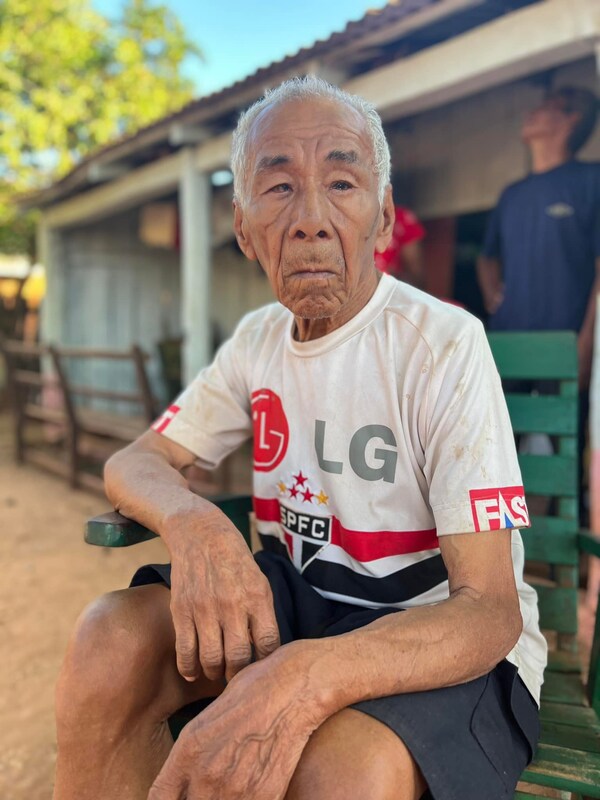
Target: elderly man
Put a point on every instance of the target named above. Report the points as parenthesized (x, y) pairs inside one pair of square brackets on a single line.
[(383, 644)]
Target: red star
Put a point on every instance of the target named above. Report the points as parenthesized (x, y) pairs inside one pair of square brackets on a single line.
[(293, 492), (307, 495), (300, 479)]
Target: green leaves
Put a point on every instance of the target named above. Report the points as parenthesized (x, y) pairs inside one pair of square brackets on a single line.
[(71, 81)]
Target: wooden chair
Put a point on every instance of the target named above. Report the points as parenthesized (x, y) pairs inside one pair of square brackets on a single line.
[(568, 758)]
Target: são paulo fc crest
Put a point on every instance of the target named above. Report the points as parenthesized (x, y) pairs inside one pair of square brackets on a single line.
[(305, 534)]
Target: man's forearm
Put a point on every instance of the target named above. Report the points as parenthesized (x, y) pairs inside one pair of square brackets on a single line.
[(145, 487), (489, 276), (585, 343), (445, 644)]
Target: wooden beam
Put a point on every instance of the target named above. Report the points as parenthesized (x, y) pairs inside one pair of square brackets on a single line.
[(100, 173), (180, 135), (138, 186), (532, 39), (213, 154)]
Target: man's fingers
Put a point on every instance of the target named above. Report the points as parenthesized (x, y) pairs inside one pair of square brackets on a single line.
[(210, 639), (186, 645), (170, 783), (238, 647), (265, 632)]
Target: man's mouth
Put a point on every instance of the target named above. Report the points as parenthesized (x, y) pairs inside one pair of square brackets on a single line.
[(313, 274)]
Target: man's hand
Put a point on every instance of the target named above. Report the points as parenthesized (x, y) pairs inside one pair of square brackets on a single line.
[(489, 275), (247, 743), (221, 603)]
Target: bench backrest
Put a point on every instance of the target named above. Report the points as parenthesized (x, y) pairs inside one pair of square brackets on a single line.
[(550, 357), (89, 393)]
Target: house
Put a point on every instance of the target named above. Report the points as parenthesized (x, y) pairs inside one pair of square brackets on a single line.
[(137, 239)]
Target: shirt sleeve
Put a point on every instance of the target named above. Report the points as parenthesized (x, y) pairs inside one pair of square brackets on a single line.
[(492, 244), (471, 463), (211, 417)]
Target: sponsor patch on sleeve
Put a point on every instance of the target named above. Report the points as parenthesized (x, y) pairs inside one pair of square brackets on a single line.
[(165, 419), (495, 509)]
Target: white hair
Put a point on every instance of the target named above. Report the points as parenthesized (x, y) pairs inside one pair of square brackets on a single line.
[(304, 89)]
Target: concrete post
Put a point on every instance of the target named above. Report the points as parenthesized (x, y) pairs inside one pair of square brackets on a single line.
[(196, 265), (49, 253)]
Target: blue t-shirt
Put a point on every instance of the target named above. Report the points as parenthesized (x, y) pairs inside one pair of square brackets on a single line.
[(545, 231)]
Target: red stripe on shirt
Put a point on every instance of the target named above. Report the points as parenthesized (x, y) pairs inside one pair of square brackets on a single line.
[(360, 545)]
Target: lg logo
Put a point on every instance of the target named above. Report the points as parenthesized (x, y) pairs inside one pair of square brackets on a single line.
[(271, 431), (379, 466), (371, 453)]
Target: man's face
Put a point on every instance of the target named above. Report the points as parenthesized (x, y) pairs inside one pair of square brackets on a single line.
[(549, 121), (311, 213)]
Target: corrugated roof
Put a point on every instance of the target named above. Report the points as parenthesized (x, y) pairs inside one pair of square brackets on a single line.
[(231, 99)]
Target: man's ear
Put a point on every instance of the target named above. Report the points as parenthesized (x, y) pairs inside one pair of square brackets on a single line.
[(386, 222), (239, 226)]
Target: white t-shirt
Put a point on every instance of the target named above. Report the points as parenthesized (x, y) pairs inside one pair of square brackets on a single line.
[(369, 444)]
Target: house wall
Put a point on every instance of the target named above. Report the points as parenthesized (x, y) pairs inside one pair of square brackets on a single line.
[(119, 292), (239, 286), (457, 158)]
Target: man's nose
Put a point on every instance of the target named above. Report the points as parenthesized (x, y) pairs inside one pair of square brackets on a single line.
[(310, 215)]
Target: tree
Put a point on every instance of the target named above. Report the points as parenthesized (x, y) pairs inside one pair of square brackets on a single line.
[(71, 81)]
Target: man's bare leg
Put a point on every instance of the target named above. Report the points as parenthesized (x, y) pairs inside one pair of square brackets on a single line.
[(118, 686), (353, 756)]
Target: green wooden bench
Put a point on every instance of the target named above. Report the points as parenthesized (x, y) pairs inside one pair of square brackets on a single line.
[(568, 758)]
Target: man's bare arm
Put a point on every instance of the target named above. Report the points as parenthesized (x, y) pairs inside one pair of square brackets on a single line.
[(585, 340), (221, 602), (273, 707), (489, 276)]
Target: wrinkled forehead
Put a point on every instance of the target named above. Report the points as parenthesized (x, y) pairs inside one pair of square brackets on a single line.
[(299, 123)]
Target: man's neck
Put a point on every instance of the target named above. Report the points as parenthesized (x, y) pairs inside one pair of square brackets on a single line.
[(546, 156)]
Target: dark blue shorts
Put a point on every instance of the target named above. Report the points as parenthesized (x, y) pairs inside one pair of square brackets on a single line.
[(472, 741)]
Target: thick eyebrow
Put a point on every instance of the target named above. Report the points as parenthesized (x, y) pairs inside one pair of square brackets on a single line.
[(347, 156), (268, 162)]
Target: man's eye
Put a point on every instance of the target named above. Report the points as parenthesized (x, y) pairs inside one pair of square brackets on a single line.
[(341, 185), (281, 187)]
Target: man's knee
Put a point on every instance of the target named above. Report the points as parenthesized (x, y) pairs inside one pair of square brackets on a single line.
[(352, 756), (117, 648)]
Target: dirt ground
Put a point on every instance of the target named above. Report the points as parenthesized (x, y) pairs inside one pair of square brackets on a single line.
[(48, 575)]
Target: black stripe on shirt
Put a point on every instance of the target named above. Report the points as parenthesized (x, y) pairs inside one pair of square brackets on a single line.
[(398, 587)]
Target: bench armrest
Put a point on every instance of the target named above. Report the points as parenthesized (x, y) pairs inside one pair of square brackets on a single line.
[(588, 543), (115, 530)]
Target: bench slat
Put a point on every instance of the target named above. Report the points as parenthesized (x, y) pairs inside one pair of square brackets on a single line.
[(105, 394), (549, 476), (43, 413), (561, 687), (577, 716), (556, 733), (551, 414), (565, 768), (563, 661), (105, 424), (551, 540), (535, 356), (558, 608)]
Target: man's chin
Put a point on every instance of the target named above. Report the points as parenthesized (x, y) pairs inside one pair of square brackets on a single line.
[(312, 307)]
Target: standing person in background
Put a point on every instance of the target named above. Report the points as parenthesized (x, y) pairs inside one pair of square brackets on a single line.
[(403, 258), (540, 264)]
